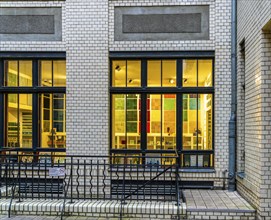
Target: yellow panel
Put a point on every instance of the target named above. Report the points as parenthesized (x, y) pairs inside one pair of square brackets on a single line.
[(205, 69), (154, 73), (12, 73), (133, 73), (59, 73), (25, 73), (46, 73), (169, 73), (119, 73)]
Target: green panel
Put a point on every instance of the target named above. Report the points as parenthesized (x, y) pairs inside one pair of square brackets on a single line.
[(132, 103), (131, 127), (131, 115), (185, 105), (185, 116), (193, 104), (169, 104)]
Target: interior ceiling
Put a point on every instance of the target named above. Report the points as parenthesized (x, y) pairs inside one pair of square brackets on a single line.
[(190, 67), (25, 69)]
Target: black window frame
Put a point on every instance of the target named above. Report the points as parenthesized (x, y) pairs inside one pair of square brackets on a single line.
[(179, 90), (35, 90)]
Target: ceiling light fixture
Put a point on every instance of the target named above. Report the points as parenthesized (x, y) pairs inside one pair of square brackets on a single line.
[(130, 80), (117, 68), (185, 80), (171, 81)]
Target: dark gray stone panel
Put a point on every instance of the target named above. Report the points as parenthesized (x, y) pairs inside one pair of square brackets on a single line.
[(31, 24), (27, 24), (162, 23)]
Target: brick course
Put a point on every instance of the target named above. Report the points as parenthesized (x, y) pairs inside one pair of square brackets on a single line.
[(254, 105)]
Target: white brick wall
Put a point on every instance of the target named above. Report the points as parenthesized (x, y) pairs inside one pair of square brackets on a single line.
[(88, 36), (87, 77), (252, 16)]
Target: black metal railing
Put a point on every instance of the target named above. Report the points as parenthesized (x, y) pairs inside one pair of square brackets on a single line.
[(78, 177)]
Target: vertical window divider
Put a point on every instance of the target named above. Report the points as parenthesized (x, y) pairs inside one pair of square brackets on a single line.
[(35, 111), (144, 73), (2, 111), (179, 117), (143, 122), (52, 73), (143, 139)]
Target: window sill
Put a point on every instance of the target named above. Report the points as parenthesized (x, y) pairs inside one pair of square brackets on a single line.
[(203, 170)]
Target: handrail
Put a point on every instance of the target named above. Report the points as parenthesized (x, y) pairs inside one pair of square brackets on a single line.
[(142, 186)]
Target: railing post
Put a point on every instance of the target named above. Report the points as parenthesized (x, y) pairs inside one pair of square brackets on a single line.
[(177, 187), (71, 173)]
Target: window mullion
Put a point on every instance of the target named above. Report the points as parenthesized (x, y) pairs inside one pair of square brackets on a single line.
[(35, 109), (143, 122)]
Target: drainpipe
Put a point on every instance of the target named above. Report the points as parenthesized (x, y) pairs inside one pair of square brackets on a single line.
[(232, 122)]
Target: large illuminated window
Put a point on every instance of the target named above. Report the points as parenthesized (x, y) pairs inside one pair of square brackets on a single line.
[(163, 106), (34, 103)]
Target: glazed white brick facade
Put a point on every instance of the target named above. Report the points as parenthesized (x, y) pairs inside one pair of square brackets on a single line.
[(88, 36), (254, 103)]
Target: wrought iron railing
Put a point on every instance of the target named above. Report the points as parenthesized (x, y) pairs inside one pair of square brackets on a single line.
[(79, 177)]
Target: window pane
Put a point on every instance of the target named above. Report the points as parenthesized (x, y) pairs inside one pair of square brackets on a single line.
[(19, 120), (119, 73), (46, 68), (204, 122), (189, 73), (197, 122), (18, 73), (11, 73), (53, 123), (161, 122), (154, 73), (26, 119), (59, 73), (133, 73), (126, 121), (154, 118), (205, 69), (25, 73), (197, 160), (169, 73), (13, 121), (169, 122), (189, 121)]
